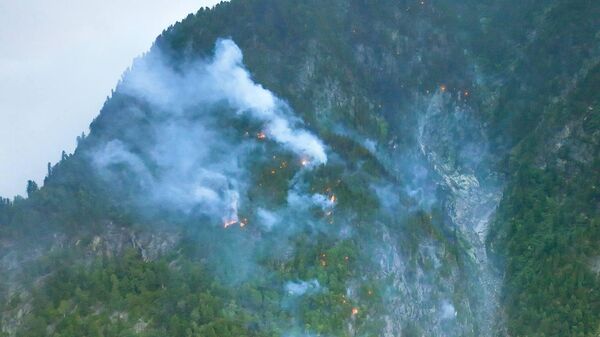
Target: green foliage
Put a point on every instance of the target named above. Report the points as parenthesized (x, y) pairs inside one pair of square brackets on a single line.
[(127, 296), (551, 223)]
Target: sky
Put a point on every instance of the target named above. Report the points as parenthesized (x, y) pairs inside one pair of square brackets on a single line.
[(59, 61)]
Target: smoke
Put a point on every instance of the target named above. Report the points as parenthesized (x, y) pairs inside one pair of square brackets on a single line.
[(194, 150), (447, 311), (267, 219), (302, 287), (186, 154), (298, 200), (223, 79)]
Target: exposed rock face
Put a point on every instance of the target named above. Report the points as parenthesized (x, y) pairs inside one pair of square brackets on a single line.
[(150, 244), (455, 145), (421, 295), (453, 150), (19, 262)]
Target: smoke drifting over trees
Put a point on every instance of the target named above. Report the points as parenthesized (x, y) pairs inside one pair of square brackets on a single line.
[(286, 168)]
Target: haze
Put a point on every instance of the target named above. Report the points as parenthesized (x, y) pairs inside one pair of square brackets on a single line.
[(58, 62)]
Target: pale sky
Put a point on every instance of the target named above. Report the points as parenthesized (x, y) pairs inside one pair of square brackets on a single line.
[(59, 60)]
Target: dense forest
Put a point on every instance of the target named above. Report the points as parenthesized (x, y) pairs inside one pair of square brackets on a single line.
[(328, 168)]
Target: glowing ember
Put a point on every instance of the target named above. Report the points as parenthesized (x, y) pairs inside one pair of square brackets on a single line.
[(332, 198), (261, 135), (229, 223), (354, 311), (466, 93), (231, 217), (244, 222), (304, 162), (443, 88), (273, 171)]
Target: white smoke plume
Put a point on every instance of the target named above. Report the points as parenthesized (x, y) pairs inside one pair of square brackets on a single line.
[(224, 78), (184, 159), (302, 287), (447, 311), (267, 219)]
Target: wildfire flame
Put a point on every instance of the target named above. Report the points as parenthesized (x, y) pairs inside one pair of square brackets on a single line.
[(231, 218), (228, 223), (304, 162), (261, 135), (354, 311)]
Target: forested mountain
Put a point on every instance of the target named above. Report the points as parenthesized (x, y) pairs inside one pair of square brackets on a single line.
[(328, 168)]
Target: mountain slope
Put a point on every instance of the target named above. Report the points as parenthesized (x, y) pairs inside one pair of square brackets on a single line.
[(346, 168)]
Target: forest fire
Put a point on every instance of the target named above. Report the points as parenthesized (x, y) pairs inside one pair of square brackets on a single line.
[(354, 311), (229, 223), (304, 162), (232, 212), (261, 135)]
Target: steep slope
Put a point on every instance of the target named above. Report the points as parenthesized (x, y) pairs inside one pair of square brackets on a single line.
[(338, 168)]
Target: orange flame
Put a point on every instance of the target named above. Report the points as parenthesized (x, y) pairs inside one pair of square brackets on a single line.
[(261, 135), (228, 223), (354, 311)]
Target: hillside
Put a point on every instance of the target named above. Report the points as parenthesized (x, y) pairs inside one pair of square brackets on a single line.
[(328, 168)]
